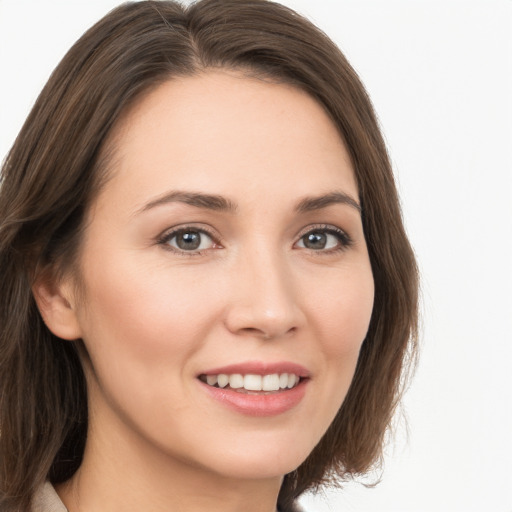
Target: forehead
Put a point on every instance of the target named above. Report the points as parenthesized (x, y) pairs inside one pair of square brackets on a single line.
[(222, 132)]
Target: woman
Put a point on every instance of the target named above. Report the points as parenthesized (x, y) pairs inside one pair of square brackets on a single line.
[(208, 298)]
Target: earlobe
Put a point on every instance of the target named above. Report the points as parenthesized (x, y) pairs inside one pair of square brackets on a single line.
[(55, 304)]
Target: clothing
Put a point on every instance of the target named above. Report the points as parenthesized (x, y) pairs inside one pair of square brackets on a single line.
[(47, 500)]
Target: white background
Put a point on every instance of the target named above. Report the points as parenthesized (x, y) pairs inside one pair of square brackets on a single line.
[(440, 75)]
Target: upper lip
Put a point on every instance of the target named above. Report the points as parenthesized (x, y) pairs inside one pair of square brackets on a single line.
[(259, 368)]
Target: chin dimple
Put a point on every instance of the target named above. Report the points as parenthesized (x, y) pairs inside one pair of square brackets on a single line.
[(251, 382)]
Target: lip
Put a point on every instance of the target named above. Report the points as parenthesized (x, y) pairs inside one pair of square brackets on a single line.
[(260, 368), (258, 404)]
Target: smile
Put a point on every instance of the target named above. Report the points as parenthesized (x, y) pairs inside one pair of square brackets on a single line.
[(251, 382), (257, 388)]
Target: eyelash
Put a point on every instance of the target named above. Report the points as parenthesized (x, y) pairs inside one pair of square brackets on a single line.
[(344, 239), (169, 235)]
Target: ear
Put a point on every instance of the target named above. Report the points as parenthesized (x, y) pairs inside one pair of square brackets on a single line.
[(55, 302)]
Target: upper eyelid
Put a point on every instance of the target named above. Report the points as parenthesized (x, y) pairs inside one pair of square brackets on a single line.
[(322, 227), (169, 233), (166, 236), (345, 240)]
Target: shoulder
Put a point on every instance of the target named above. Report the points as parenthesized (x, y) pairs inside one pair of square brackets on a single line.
[(46, 500)]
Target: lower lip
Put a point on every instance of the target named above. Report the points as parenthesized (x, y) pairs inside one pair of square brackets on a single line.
[(270, 404)]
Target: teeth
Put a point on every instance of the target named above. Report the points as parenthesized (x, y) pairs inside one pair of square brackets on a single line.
[(236, 381), (211, 379), (250, 382), (222, 380), (270, 382)]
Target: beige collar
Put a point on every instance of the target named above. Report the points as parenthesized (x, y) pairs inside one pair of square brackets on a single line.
[(46, 500)]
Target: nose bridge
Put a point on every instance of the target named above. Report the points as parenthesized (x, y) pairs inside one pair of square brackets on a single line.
[(265, 301)]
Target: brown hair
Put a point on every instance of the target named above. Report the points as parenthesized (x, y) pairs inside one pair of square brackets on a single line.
[(55, 167)]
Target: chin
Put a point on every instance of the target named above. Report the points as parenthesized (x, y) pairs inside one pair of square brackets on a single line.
[(262, 459)]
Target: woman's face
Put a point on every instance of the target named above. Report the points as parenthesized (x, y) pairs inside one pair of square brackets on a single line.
[(226, 247)]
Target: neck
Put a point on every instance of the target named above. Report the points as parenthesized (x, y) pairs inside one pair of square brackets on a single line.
[(84, 494)]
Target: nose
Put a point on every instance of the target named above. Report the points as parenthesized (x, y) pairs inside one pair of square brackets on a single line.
[(264, 300)]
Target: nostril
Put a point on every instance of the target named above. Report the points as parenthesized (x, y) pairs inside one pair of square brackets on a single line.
[(264, 334), (252, 331), (260, 321)]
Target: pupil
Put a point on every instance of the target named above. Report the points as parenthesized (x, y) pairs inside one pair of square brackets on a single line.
[(189, 240), (315, 241)]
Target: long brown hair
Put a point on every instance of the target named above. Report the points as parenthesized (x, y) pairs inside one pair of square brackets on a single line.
[(53, 172)]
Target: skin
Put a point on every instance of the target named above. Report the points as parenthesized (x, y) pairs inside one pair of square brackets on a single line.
[(153, 316)]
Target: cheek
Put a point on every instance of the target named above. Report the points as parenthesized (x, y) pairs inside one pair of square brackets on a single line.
[(341, 315), (342, 310), (145, 316), (143, 326)]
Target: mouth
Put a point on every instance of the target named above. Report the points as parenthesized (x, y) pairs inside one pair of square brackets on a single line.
[(256, 388), (253, 383)]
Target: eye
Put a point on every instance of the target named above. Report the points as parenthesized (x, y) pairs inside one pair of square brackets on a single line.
[(188, 240), (324, 239)]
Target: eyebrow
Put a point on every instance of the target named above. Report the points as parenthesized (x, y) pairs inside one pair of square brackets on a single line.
[(309, 204), (222, 204), (199, 200)]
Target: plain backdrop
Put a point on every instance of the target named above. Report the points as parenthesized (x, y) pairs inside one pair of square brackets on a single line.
[(440, 76)]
